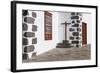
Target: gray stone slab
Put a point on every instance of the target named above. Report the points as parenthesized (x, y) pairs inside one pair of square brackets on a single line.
[(25, 12), (79, 29), (75, 25), (29, 20), (75, 42), (25, 41), (73, 21), (25, 56), (73, 13), (34, 14), (75, 17), (25, 27), (28, 49), (34, 41), (78, 21), (33, 54), (29, 34), (71, 38), (71, 29), (75, 33), (77, 38), (34, 28)]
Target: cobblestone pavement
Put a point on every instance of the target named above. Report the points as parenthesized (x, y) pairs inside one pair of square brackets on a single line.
[(64, 54)]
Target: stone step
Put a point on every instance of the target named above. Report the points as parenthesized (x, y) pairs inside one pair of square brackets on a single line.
[(65, 41), (63, 44), (58, 46)]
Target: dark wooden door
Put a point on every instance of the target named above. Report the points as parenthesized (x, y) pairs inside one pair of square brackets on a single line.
[(84, 33)]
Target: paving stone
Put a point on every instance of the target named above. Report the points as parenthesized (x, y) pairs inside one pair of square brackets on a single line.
[(28, 49), (25, 27), (25, 12), (34, 14), (63, 54), (75, 33), (34, 41), (25, 41), (25, 56), (34, 28), (29, 20), (29, 34)]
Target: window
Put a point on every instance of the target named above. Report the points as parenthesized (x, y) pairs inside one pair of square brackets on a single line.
[(48, 25)]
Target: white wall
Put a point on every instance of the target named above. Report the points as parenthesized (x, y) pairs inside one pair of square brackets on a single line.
[(42, 44), (5, 37), (61, 28)]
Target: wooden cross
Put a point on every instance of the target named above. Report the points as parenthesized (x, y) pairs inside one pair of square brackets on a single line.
[(65, 23)]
